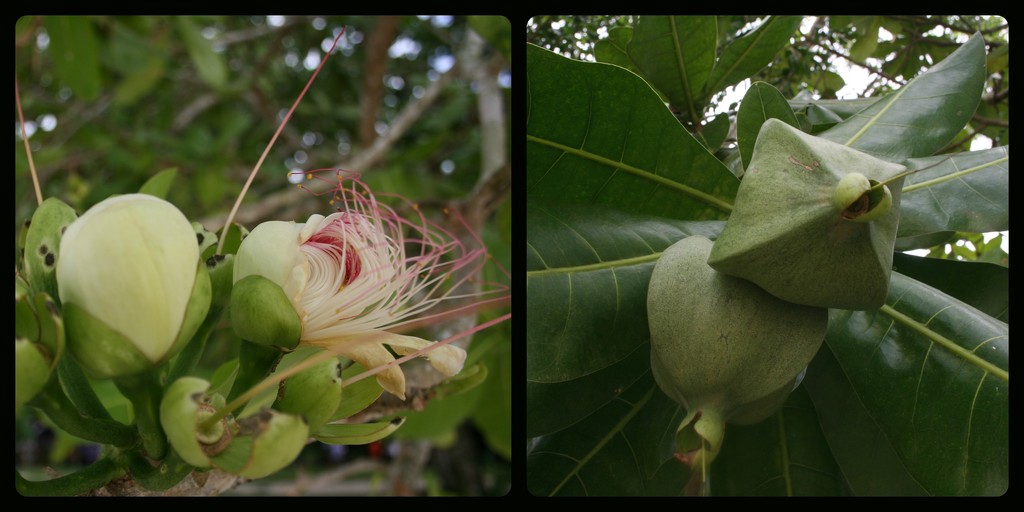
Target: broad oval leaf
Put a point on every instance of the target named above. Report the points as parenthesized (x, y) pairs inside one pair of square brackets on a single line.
[(676, 55), (613, 49), (784, 455), (752, 52), (625, 448), (967, 192), (870, 464), (586, 282), (597, 133), (761, 103), (75, 53), (921, 117), (843, 109), (209, 64), (985, 286), (551, 407), (932, 372)]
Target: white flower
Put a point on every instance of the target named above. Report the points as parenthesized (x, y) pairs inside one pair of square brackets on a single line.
[(349, 279)]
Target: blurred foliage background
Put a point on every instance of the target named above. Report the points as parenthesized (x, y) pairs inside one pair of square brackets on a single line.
[(418, 105)]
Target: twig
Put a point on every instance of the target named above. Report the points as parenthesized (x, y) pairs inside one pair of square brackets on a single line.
[(274, 204), (240, 36)]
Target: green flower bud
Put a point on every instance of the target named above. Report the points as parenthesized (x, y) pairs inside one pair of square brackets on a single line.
[(262, 314), (313, 393), (253, 447), (133, 288), (42, 244), (183, 407), (31, 371), (38, 343)]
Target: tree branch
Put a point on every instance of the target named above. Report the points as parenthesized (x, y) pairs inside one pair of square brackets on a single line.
[(376, 65)]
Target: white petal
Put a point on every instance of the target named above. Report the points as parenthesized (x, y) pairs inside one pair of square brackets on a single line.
[(447, 359)]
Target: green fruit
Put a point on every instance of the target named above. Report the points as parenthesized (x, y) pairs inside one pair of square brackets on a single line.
[(719, 343), (809, 225)]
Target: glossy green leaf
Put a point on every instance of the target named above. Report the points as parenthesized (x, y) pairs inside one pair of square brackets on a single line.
[(209, 64), (932, 371), (924, 241), (551, 407), (676, 55), (784, 455), (923, 116), (160, 183), (598, 134), (587, 274), (624, 448), (75, 53), (614, 48), (870, 464), (749, 54), (967, 192), (821, 118), (844, 109), (493, 414), (985, 286), (715, 131), (761, 102)]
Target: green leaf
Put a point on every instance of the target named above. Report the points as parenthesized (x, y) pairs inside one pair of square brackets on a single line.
[(761, 102), (967, 192), (75, 54), (613, 49), (493, 415), (749, 54), (924, 241), (821, 118), (160, 183), (598, 134), (785, 455), (624, 448), (587, 274), (209, 63), (551, 407), (867, 39), (676, 55), (842, 108), (923, 116), (985, 286), (361, 433), (715, 132), (932, 372), (869, 463), (142, 62)]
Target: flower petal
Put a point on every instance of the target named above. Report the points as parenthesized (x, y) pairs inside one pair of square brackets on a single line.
[(372, 355), (447, 359)]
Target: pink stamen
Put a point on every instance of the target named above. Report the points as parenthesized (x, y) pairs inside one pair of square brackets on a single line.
[(391, 280)]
